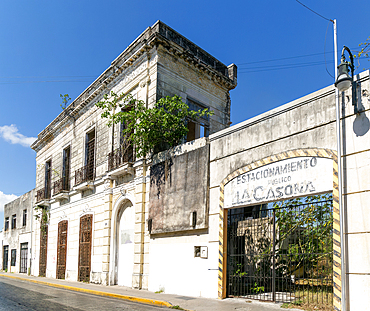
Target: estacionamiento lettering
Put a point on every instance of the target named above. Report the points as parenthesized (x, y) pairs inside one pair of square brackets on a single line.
[(260, 193), (277, 170)]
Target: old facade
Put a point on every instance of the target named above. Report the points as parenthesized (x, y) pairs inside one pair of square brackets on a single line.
[(95, 193), (286, 153), (17, 234), (165, 225)]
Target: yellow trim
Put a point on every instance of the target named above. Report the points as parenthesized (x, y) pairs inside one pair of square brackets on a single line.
[(95, 292)]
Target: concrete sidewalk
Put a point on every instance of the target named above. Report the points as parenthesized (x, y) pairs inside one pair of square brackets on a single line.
[(147, 297)]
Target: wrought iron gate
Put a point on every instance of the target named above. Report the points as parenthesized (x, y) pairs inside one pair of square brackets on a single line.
[(43, 249), (84, 257), (282, 252), (24, 258), (62, 249)]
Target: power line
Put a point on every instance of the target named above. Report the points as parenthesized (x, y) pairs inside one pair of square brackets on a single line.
[(330, 20), (285, 65), (284, 58), (270, 69)]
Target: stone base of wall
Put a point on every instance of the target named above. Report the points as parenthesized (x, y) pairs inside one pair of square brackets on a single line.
[(99, 278)]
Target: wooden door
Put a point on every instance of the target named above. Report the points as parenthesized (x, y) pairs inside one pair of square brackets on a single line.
[(84, 256), (43, 249), (62, 249)]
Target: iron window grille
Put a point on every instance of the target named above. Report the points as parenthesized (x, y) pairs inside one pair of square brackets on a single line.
[(24, 258), (87, 172)]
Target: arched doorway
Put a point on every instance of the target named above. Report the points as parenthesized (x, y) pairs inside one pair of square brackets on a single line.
[(125, 244)]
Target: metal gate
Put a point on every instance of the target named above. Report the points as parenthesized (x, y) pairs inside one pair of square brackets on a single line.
[(282, 252), (24, 258), (62, 249), (5, 257), (43, 249), (84, 257)]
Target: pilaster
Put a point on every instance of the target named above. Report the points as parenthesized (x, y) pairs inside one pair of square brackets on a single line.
[(138, 279)]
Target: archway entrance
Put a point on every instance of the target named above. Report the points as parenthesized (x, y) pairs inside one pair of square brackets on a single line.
[(125, 244), (286, 176)]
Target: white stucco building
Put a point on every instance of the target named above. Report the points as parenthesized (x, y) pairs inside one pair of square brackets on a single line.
[(167, 224)]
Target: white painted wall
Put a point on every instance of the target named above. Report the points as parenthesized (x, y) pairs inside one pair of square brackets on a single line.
[(175, 270)]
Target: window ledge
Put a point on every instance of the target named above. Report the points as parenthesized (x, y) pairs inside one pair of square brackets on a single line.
[(122, 170), (43, 203), (84, 186), (61, 196)]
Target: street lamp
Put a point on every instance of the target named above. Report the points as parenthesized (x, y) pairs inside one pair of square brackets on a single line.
[(344, 80)]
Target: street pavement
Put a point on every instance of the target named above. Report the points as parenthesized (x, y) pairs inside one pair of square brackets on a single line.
[(122, 294), (18, 295)]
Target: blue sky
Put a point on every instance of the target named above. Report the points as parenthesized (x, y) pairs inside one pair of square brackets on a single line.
[(56, 47)]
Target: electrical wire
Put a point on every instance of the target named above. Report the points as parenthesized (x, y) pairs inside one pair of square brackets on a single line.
[(330, 20), (285, 65), (270, 69), (284, 58)]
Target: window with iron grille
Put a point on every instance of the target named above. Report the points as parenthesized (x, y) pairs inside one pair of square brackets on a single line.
[(13, 257), (14, 221), (24, 258), (90, 155), (48, 179), (6, 227), (66, 167), (24, 223)]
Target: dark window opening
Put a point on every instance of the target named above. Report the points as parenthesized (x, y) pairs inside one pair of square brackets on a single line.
[(199, 128), (13, 257), (5, 257), (66, 167), (14, 221), (24, 258), (6, 227), (125, 151), (90, 155), (48, 179), (24, 223)]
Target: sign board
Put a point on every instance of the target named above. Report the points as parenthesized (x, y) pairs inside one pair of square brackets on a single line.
[(280, 180)]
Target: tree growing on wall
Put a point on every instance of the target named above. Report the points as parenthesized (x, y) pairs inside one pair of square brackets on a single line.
[(305, 235), (150, 129), (364, 50)]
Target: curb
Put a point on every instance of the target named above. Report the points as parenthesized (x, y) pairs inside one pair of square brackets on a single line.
[(95, 292)]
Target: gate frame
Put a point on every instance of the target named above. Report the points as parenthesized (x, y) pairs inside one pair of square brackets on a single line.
[(309, 152)]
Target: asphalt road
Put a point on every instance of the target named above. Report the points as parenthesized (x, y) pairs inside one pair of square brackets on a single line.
[(21, 295)]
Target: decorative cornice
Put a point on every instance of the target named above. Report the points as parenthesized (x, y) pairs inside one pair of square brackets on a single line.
[(158, 34)]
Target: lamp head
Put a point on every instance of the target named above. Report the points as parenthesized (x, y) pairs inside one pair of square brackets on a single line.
[(344, 80)]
